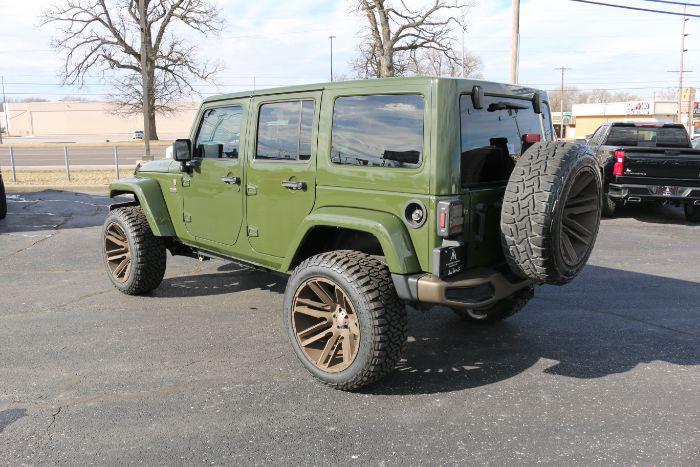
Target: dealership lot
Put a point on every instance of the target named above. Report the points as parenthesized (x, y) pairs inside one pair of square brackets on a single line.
[(603, 370)]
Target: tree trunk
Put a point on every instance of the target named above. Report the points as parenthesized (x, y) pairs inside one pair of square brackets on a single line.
[(387, 62), (152, 105)]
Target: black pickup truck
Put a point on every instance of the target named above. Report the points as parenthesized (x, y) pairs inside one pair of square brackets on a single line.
[(648, 162)]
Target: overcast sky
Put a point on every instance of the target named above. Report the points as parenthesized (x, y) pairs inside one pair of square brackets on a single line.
[(286, 42)]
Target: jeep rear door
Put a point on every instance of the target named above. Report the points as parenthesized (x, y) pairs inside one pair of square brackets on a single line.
[(281, 169), (492, 139)]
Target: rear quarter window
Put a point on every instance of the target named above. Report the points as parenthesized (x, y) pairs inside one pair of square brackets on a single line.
[(378, 131)]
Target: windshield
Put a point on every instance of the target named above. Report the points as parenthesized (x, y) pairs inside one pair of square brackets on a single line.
[(648, 137)]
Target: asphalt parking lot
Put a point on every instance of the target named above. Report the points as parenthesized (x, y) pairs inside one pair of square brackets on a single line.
[(605, 370)]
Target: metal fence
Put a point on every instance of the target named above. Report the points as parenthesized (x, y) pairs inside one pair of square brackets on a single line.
[(73, 157)]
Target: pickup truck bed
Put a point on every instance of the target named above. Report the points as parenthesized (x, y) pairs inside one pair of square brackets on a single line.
[(642, 171), (658, 174)]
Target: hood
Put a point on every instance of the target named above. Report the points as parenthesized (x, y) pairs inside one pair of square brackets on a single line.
[(162, 165)]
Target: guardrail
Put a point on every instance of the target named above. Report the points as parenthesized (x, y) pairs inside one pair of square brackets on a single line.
[(78, 157)]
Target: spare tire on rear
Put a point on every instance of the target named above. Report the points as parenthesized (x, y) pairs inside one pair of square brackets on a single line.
[(551, 212)]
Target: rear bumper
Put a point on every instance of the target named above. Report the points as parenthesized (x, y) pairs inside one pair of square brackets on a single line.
[(638, 193), (474, 289)]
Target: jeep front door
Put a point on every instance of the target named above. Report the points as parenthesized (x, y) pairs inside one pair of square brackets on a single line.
[(281, 174), (213, 190)]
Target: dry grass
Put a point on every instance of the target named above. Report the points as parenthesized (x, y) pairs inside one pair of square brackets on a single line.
[(58, 177)]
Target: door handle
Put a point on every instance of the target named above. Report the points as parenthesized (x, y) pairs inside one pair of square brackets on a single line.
[(231, 180), (292, 185)]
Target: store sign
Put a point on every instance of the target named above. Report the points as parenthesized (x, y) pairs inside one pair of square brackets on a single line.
[(696, 109), (688, 94), (639, 108), (567, 118)]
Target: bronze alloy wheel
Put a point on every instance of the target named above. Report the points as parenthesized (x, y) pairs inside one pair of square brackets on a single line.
[(580, 218), (117, 252), (325, 324)]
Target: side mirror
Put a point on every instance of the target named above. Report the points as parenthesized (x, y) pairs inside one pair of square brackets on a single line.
[(478, 97), (182, 150), (537, 103)]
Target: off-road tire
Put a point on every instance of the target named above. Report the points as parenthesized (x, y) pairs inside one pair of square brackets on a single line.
[(381, 314), (499, 311), (532, 216), (3, 200), (609, 206), (692, 213), (148, 254)]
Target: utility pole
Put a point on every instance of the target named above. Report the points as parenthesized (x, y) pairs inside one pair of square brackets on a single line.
[(681, 70), (515, 43), (463, 26), (4, 109), (145, 77), (331, 38), (563, 70)]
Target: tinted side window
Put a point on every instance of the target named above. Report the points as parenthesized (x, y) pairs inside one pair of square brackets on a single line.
[(307, 119), (491, 140), (284, 131), (221, 126), (644, 136), (673, 137), (378, 130)]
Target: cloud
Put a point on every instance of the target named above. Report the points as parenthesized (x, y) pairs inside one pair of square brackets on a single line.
[(270, 43), (605, 47)]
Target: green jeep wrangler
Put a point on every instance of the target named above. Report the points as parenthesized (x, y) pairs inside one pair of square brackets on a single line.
[(369, 195)]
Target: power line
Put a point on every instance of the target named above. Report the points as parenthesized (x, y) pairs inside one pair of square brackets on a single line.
[(649, 10), (668, 2), (224, 84)]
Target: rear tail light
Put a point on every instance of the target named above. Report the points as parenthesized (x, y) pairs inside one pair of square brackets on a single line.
[(619, 167), (450, 217)]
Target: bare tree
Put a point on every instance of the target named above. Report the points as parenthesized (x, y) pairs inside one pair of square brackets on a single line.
[(573, 95), (395, 34), (667, 94), (103, 37), (431, 62)]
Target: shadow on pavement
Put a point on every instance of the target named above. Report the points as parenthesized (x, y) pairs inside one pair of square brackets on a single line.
[(8, 417), (234, 279), (653, 213), (587, 336), (608, 321), (53, 210)]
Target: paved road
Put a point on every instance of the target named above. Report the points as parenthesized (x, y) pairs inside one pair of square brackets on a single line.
[(605, 370), (77, 156), (102, 138)]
